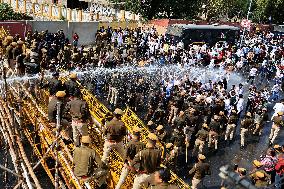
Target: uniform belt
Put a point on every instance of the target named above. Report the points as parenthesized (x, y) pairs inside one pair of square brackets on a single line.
[(84, 177), (112, 141)]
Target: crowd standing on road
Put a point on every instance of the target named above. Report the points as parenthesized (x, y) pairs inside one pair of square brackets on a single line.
[(183, 114)]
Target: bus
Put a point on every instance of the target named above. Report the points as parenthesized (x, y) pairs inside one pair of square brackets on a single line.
[(209, 34)]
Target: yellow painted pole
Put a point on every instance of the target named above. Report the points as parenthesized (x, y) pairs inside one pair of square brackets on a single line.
[(59, 12), (69, 14), (50, 11), (25, 6), (97, 16), (41, 9), (17, 5), (122, 15), (80, 15)]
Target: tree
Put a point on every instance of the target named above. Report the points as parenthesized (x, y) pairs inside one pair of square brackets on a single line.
[(7, 13), (265, 9), (150, 9), (226, 9)]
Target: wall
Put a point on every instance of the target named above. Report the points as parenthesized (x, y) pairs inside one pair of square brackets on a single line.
[(85, 30), (16, 27), (119, 24), (51, 26)]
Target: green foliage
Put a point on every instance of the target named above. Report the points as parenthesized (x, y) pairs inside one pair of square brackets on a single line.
[(7, 13), (212, 9), (62, 18), (268, 8)]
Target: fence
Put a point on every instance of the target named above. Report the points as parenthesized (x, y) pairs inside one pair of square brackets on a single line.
[(43, 11)]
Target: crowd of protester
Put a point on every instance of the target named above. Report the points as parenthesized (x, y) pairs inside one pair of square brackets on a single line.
[(189, 116)]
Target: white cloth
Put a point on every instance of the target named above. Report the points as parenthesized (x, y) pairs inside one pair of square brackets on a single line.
[(253, 72), (240, 105)]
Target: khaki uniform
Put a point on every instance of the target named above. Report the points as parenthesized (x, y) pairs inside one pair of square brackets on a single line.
[(277, 121), (52, 109), (149, 160), (246, 124), (71, 87), (53, 86), (133, 147), (200, 170), (9, 56), (87, 164), (213, 134), (231, 127), (115, 131), (260, 182), (202, 136), (79, 112)]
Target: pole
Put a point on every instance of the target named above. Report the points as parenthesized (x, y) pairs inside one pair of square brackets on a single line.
[(5, 83), (56, 144), (244, 31), (6, 164)]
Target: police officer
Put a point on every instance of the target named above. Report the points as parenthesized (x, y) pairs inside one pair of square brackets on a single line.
[(149, 160), (71, 85), (53, 85), (162, 180), (260, 180), (52, 107), (246, 124), (79, 111), (161, 133), (214, 131), (232, 122), (277, 123), (133, 147), (200, 170), (10, 55), (171, 156), (202, 137), (260, 118), (115, 131), (87, 163)]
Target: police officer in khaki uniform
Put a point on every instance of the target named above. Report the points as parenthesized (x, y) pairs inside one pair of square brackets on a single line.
[(53, 85), (246, 124), (87, 163), (52, 107), (277, 123), (232, 122), (161, 133), (115, 131), (171, 156), (162, 180), (71, 85), (149, 160), (202, 137), (133, 147), (79, 111), (200, 170), (260, 180), (10, 55), (214, 132)]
